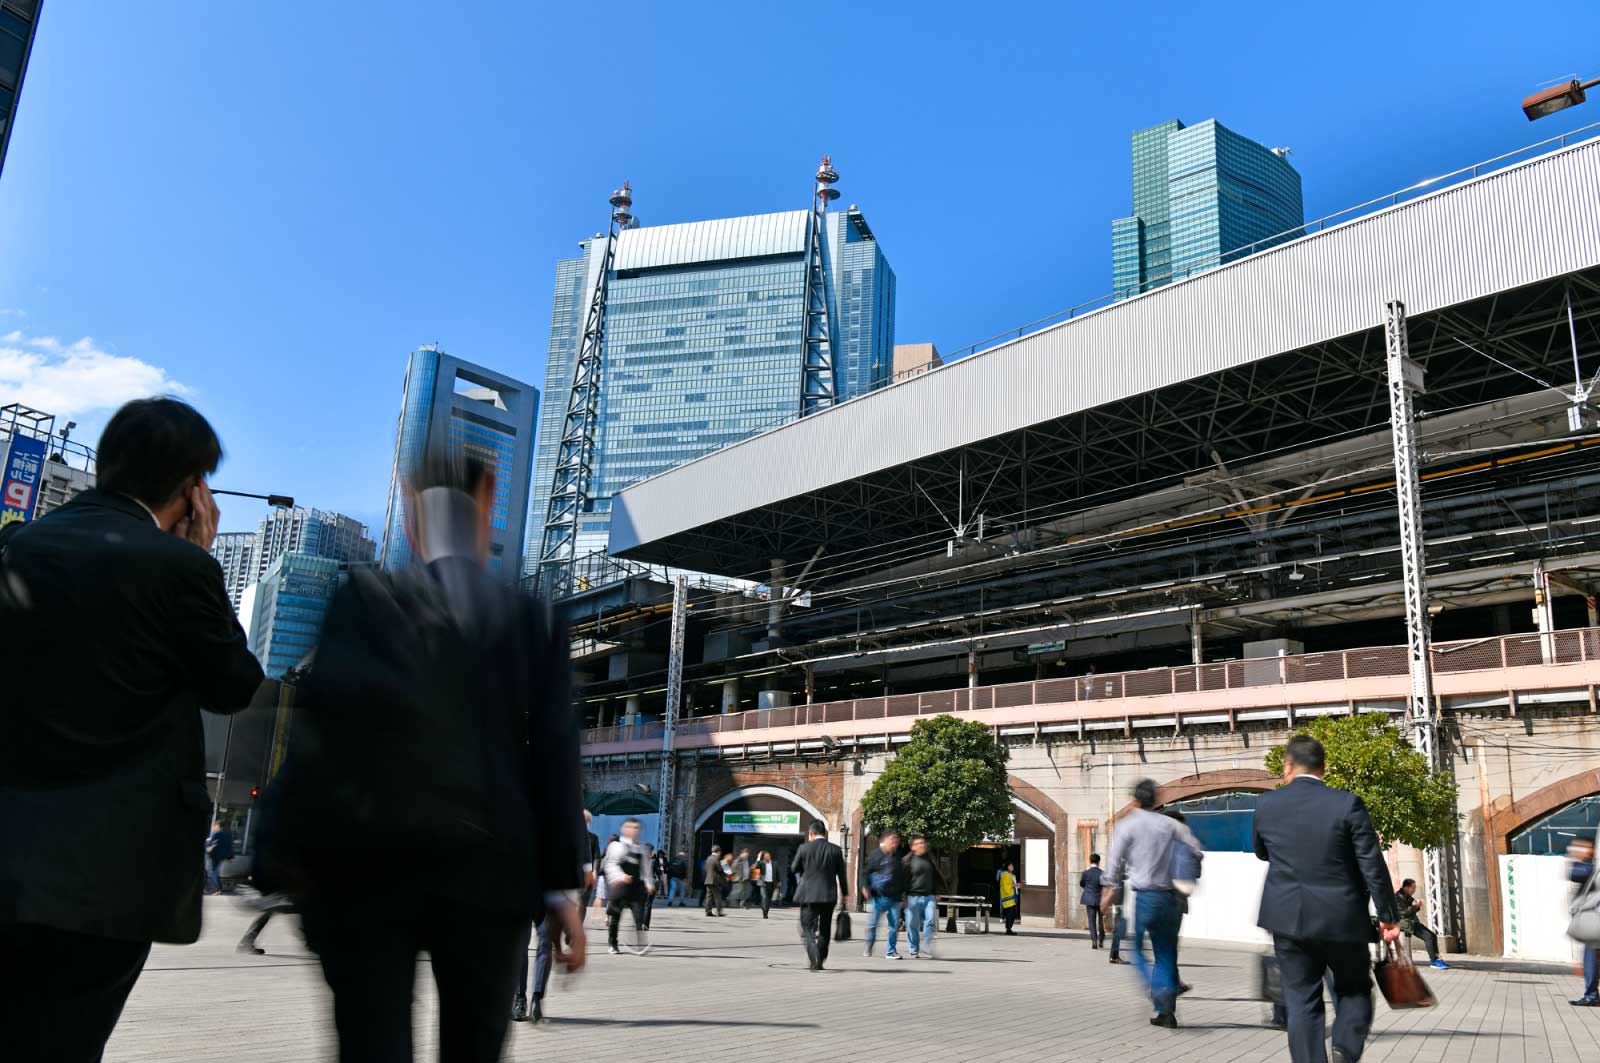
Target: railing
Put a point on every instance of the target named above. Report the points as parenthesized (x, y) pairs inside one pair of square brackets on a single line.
[(1571, 646)]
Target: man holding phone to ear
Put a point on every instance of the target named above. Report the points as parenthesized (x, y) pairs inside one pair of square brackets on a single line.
[(115, 630)]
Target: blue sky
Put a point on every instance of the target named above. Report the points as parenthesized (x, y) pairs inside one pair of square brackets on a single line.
[(266, 206)]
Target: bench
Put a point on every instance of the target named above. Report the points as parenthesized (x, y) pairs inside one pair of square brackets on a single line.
[(959, 904)]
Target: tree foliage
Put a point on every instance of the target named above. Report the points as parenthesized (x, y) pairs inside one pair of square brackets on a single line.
[(948, 783), (1409, 801)]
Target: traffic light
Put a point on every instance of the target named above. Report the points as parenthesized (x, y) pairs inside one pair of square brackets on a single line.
[(255, 792)]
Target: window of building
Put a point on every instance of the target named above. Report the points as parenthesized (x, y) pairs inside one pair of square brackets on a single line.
[(1551, 835), (1222, 822)]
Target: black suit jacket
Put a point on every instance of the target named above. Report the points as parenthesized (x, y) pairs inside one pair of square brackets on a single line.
[(113, 635), (820, 865), (1323, 864), (434, 745)]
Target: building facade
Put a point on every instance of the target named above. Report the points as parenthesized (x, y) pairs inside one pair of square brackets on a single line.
[(19, 21), (290, 604), (914, 359), (245, 557), (491, 416), (1202, 196), (703, 344)]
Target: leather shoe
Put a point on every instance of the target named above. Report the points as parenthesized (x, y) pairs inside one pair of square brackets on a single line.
[(1166, 1020), (1116, 959), (1337, 1056), (519, 1008), (538, 1011), (1585, 1002)]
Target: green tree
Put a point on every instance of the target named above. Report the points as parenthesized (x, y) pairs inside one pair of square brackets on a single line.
[(1408, 800), (948, 783)]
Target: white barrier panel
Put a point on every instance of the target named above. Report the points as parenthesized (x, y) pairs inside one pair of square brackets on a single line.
[(1225, 906), (1534, 895)]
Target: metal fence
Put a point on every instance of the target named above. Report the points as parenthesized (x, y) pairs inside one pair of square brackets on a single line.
[(1508, 651)]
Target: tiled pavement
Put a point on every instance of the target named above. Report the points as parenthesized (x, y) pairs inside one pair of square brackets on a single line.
[(737, 989)]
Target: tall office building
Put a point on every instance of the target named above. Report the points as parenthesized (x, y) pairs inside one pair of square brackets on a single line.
[(245, 557), (1201, 195), (291, 602), (19, 20), (703, 344), (489, 414)]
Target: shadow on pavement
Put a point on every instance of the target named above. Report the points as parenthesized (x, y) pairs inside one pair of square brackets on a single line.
[(684, 1022)]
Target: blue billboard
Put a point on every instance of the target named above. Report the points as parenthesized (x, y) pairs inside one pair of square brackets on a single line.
[(20, 479)]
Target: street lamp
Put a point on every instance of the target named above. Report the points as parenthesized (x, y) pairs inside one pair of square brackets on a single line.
[(1557, 98)]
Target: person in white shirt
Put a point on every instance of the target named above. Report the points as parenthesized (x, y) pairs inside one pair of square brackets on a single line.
[(630, 881)]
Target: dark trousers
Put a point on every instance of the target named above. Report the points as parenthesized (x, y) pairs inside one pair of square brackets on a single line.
[(1119, 929), (1302, 964), (369, 959), (61, 993), (614, 909), (713, 897), (543, 958), (816, 930), (767, 890), (1591, 973), (1009, 915), (1097, 926), (1429, 939), (256, 926)]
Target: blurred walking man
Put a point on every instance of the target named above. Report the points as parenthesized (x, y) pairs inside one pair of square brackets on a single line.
[(823, 886), (714, 880), (886, 891), (630, 882), (1323, 863), (1141, 857), (923, 882), (430, 797), (117, 632)]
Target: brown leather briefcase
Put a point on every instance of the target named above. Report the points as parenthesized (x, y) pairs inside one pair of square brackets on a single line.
[(1400, 981)]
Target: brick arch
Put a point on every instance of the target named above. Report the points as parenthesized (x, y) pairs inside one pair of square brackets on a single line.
[(1510, 816), (1209, 782), (1036, 798)]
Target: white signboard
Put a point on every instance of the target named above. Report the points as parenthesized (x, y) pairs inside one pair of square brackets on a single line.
[(1534, 894), (761, 822), (1036, 861)]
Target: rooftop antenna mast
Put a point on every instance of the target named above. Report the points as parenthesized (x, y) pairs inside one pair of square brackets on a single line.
[(818, 382), (573, 479)]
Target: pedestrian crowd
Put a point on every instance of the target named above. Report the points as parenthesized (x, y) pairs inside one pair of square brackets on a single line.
[(430, 800)]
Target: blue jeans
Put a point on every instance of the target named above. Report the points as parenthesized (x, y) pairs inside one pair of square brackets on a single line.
[(675, 893), (922, 913), (889, 908), (213, 875), (1156, 913), (1591, 972)]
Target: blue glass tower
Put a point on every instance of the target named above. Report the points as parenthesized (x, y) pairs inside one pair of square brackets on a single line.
[(491, 415), (291, 603), (1202, 196), (703, 344)]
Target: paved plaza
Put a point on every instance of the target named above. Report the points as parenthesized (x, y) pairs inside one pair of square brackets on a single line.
[(738, 989)]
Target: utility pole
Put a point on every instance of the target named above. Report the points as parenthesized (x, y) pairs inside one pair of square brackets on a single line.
[(1406, 379), (669, 719)]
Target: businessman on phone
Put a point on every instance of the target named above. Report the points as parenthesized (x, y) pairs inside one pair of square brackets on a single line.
[(116, 632)]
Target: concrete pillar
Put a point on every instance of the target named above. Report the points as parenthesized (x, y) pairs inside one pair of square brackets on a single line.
[(775, 602), (1197, 639), (972, 669), (630, 709), (811, 685), (730, 695), (773, 699)]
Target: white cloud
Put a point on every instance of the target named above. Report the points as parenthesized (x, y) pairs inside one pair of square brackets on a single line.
[(69, 379)]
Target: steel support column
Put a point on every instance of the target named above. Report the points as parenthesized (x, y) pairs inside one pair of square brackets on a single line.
[(669, 718), (1405, 377)]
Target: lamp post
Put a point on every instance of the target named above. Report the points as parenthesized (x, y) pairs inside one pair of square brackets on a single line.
[(1557, 98)]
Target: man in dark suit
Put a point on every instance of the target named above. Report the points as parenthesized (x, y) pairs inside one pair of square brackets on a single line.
[(1324, 862), (1089, 882), (118, 630), (431, 797), (714, 878), (819, 864)]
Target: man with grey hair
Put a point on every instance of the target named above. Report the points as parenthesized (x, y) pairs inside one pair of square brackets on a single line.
[(1141, 857)]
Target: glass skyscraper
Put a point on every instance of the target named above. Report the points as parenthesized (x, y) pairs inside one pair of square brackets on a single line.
[(246, 556), (703, 344), (487, 413), (19, 20), (291, 603), (1202, 195)]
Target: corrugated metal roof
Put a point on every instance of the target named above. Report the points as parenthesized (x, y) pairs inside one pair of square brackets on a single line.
[(751, 236), (1530, 222)]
